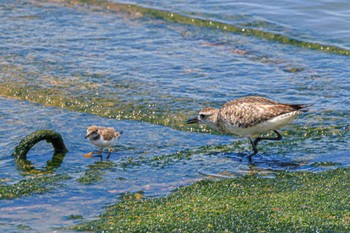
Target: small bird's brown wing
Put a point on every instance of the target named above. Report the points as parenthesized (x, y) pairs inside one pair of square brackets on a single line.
[(249, 111), (107, 133)]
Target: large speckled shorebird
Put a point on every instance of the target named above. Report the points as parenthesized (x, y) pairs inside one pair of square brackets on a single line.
[(102, 137), (250, 116)]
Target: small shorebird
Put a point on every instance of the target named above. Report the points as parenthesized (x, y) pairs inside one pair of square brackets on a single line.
[(102, 137), (248, 117)]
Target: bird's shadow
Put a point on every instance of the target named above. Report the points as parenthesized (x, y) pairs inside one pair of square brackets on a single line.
[(232, 165), (275, 162)]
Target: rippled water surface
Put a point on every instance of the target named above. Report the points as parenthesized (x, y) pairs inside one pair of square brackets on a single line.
[(321, 20), (65, 67)]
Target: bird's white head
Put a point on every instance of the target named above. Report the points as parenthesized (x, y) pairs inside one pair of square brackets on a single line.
[(206, 116), (92, 132)]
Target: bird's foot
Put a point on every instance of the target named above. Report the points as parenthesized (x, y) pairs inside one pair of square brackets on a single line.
[(88, 155), (249, 158), (91, 155)]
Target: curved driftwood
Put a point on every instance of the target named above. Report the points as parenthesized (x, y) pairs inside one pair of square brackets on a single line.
[(28, 142)]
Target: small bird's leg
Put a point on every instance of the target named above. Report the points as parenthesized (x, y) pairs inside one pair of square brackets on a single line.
[(110, 151), (258, 139), (98, 154)]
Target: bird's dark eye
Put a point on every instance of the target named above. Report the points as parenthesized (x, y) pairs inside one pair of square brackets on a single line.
[(201, 115)]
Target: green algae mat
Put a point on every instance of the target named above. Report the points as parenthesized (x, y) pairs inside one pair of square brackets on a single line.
[(291, 202)]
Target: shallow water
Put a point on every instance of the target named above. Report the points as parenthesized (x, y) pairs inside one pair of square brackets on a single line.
[(145, 76), (321, 20)]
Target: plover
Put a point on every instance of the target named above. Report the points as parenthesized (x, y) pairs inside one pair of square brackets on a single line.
[(102, 137), (250, 116)]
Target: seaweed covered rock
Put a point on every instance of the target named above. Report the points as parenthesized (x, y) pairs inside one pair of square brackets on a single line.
[(28, 142)]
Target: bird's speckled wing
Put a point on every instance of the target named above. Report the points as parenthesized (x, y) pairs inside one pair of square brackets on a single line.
[(107, 133), (248, 111)]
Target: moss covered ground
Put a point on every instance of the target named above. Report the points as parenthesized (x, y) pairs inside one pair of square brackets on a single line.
[(30, 186), (291, 202)]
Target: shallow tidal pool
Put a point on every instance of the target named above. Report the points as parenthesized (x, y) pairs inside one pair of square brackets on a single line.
[(65, 66)]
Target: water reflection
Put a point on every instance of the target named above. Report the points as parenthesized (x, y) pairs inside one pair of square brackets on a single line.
[(26, 166), (235, 165)]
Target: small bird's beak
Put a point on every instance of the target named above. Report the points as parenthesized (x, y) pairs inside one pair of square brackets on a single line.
[(192, 120), (87, 135)]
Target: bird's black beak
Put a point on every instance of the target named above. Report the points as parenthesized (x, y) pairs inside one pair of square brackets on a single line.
[(192, 120), (87, 135)]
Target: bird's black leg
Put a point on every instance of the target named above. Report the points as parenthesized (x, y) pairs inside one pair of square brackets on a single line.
[(254, 149), (98, 155), (110, 151), (258, 139)]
